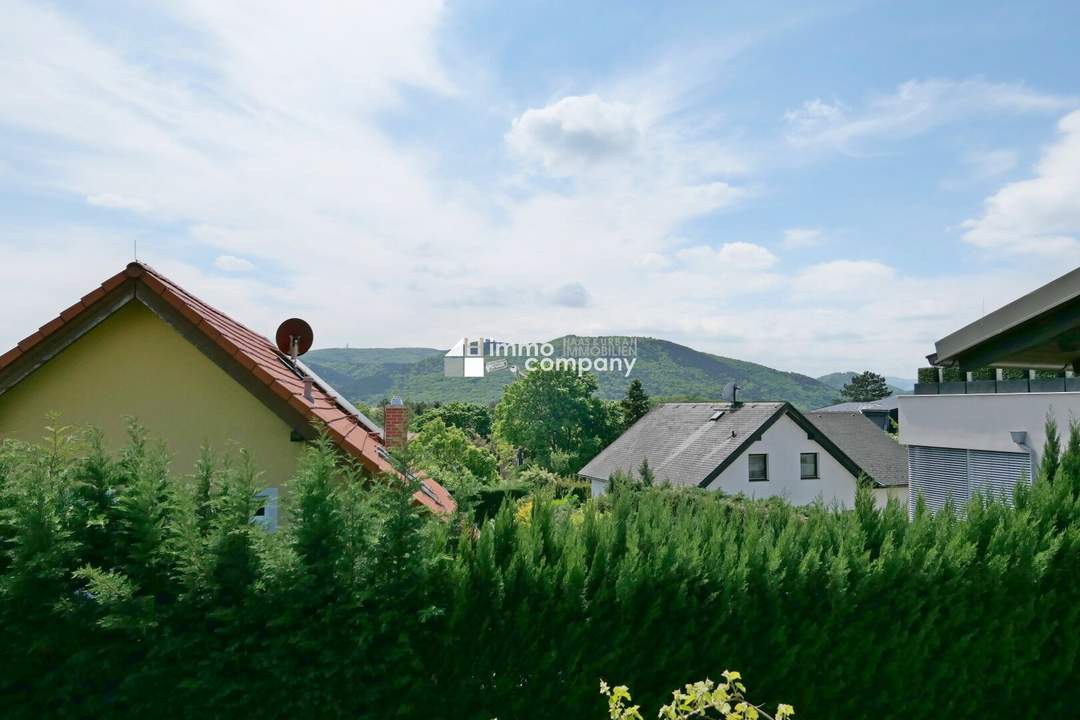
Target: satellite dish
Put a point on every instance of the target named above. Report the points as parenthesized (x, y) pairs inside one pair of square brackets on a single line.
[(294, 337), (730, 392)]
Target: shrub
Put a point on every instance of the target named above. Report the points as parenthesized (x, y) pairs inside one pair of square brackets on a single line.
[(928, 375), (984, 373), (704, 699), (571, 488), (127, 592), (490, 498), (537, 477), (560, 486), (952, 374), (1014, 374), (1049, 374)]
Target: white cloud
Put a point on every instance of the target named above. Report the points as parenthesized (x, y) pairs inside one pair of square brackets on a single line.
[(576, 132), (798, 238), (915, 107), (843, 281), (46, 270), (653, 261), (989, 164), (231, 263), (640, 143), (980, 167), (733, 256), (117, 202), (1040, 215), (572, 295), (813, 115)]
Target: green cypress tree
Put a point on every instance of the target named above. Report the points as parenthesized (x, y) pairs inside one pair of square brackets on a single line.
[(645, 473), (142, 505), (1051, 451), (635, 404), (1069, 466)]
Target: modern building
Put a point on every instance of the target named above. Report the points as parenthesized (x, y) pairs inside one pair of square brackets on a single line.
[(141, 346), (757, 449), (980, 426), (885, 413)]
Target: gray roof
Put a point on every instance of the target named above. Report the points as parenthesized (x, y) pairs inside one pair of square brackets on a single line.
[(1036, 304), (884, 404), (878, 455), (682, 445)]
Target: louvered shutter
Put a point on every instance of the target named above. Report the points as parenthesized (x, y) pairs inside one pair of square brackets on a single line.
[(937, 473), (940, 473), (997, 473)]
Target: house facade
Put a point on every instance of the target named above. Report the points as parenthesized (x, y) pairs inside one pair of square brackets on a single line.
[(757, 449), (142, 347), (977, 420)]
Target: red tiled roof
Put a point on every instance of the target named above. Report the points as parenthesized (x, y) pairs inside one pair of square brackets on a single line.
[(262, 358)]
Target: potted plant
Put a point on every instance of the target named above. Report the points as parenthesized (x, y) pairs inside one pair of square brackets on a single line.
[(1048, 381), (1013, 380), (927, 381), (983, 380), (953, 381)]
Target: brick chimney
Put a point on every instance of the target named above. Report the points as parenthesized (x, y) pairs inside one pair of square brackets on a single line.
[(395, 423)]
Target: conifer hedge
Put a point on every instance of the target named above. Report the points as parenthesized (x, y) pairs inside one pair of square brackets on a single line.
[(126, 592)]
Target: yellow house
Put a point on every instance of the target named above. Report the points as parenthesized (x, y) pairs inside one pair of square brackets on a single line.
[(141, 346)]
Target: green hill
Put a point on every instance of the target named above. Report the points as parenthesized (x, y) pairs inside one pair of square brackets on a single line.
[(666, 369)]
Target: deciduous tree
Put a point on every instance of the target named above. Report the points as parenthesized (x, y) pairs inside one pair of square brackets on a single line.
[(471, 417), (554, 414)]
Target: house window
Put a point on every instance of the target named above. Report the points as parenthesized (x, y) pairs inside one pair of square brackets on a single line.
[(266, 513), (759, 467), (808, 466)]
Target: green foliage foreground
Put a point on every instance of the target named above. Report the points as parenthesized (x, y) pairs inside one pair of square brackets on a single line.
[(128, 593)]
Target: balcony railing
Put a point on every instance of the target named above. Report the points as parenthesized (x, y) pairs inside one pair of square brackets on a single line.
[(972, 387)]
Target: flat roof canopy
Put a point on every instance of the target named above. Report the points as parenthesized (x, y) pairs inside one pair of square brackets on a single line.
[(1039, 330)]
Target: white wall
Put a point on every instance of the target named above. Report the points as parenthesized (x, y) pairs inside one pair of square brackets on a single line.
[(983, 422), (784, 442), (884, 494)]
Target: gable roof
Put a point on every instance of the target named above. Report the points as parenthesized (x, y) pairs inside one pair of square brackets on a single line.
[(878, 455), (685, 446), (247, 356)]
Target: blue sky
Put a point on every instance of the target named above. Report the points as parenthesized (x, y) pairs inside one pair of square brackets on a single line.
[(812, 186)]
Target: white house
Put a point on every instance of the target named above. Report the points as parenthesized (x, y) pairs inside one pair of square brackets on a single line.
[(758, 449), (983, 433)]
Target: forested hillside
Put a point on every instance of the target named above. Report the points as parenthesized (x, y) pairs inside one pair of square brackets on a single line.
[(666, 369)]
